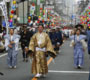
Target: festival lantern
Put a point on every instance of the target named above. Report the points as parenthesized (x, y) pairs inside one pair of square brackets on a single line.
[(87, 17), (33, 4), (29, 21), (89, 13), (89, 7), (29, 17), (38, 21), (11, 16), (10, 20), (41, 8), (89, 27), (88, 24), (87, 10), (87, 20), (14, 2), (12, 11), (39, 16), (43, 20), (13, 7)]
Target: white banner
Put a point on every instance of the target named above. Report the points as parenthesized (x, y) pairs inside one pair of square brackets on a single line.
[(4, 11)]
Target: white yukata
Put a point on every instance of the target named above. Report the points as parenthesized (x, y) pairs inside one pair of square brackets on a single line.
[(12, 52)]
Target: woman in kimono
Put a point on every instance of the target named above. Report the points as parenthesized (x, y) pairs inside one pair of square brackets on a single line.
[(79, 45), (40, 45), (11, 45)]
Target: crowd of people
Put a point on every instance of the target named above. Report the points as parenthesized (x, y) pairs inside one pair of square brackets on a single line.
[(40, 43)]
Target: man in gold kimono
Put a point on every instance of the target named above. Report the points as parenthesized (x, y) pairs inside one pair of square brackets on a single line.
[(40, 46)]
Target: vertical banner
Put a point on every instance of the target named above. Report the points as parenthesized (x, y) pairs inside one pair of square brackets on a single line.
[(4, 11)]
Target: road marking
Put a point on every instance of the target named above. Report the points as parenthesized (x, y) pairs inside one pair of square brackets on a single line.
[(71, 72), (6, 53), (3, 55)]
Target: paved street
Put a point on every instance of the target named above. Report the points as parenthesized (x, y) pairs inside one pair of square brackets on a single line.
[(62, 69)]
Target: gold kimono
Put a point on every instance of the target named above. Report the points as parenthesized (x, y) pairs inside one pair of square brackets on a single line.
[(40, 43)]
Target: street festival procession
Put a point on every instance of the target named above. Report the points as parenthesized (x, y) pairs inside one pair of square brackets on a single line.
[(44, 39)]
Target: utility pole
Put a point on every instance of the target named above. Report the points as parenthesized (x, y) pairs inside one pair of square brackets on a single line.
[(28, 10), (23, 13)]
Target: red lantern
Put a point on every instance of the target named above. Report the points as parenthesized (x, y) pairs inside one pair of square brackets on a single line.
[(88, 20), (43, 13), (89, 13), (33, 4), (38, 21), (43, 21), (12, 11), (41, 8), (29, 21), (85, 22)]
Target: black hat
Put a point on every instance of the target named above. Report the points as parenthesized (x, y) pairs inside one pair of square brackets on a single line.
[(79, 25)]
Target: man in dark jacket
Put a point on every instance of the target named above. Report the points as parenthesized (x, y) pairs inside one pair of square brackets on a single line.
[(25, 39), (59, 39), (53, 37)]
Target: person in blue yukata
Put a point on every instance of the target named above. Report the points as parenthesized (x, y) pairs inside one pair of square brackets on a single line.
[(78, 42), (11, 45)]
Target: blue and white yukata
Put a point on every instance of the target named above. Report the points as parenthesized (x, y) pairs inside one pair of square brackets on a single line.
[(12, 52), (79, 46)]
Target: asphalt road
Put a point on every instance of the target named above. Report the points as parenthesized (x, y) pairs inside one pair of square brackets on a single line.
[(61, 69)]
